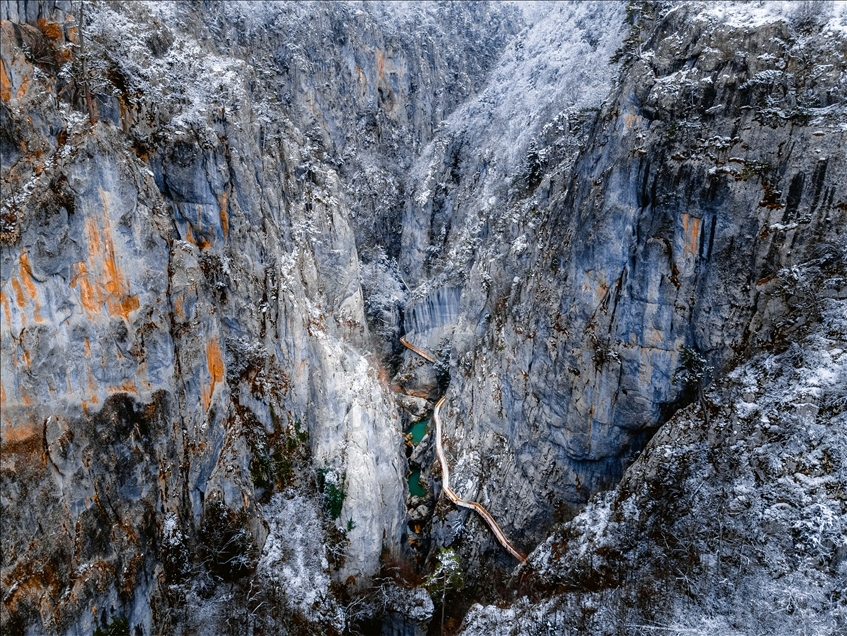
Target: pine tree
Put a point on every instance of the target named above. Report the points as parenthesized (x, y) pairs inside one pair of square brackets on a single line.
[(448, 575)]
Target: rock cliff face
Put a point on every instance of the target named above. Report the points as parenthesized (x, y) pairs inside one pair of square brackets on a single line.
[(219, 219), (711, 175), (735, 527), (184, 328)]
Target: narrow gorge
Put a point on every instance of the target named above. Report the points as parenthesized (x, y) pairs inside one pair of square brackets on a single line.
[(411, 318)]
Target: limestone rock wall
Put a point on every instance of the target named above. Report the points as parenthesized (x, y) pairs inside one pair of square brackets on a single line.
[(219, 219), (710, 178), (181, 291), (735, 526)]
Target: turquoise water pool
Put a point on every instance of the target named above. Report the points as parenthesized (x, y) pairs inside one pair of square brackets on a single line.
[(418, 430), (416, 488)]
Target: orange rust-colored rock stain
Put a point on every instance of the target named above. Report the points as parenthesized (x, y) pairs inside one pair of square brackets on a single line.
[(51, 30), (380, 64), (86, 292), (5, 84), (198, 242), (124, 113), (29, 283), (26, 274), (20, 300), (7, 311), (224, 217), (215, 364), (362, 79), (127, 386), (21, 432), (22, 89), (691, 228), (109, 288)]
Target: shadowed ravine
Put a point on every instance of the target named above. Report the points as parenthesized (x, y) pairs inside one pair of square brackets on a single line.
[(445, 472)]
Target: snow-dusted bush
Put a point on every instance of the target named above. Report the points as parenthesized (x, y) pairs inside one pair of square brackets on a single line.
[(227, 544)]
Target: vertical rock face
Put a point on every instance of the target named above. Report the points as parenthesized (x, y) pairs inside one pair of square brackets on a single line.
[(437, 312), (181, 293), (217, 223), (735, 526), (684, 221)]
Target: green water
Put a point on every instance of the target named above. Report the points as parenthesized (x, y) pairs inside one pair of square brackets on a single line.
[(418, 430), (416, 488)]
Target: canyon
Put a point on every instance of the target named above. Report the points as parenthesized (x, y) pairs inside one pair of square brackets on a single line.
[(601, 247)]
